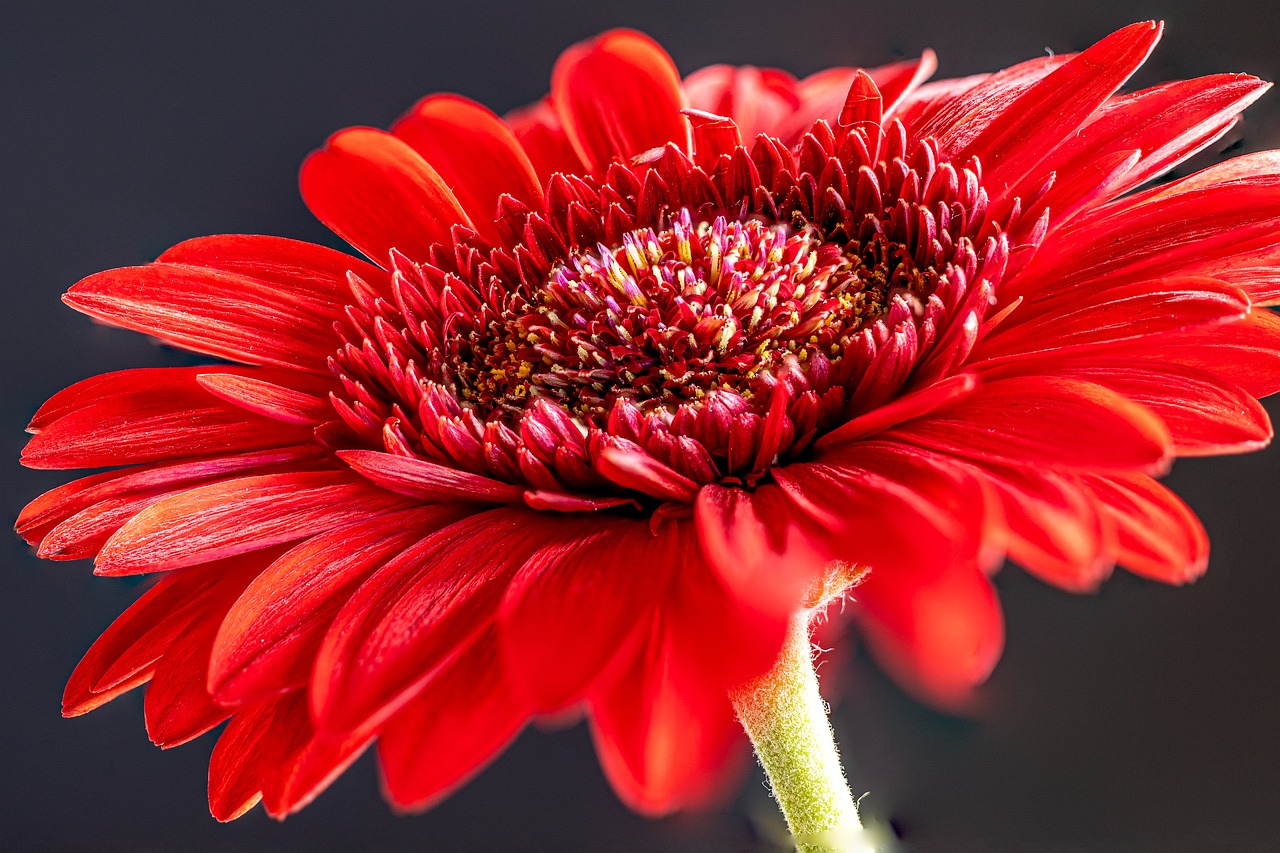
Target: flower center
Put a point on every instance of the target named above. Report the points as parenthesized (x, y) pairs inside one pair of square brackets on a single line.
[(701, 326), (670, 315)]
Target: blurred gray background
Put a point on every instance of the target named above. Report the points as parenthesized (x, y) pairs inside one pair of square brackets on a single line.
[(1139, 719)]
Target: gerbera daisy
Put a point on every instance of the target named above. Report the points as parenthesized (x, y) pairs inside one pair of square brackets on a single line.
[(637, 381)]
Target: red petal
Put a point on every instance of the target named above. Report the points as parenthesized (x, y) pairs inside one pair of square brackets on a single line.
[(1255, 270), (130, 647), (542, 137), (1144, 310), (617, 96), (898, 80), (294, 764), (240, 760), (1166, 124), (1024, 134), (270, 637), (1053, 529), (1042, 420), (235, 516), (957, 111), (178, 707), (311, 763), (1204, 414), (822, 94), (414, 613), (938, 629), (213, 312), (758, 100), (257, 395), (459, 722), (83, 534), (54, 507), (1246, 353), (1164, 232), (272, 750), (304, 270), (664, 730), (418, 478), (570, 607), (378, 194), (763, 547), (908, 406), (631, 467), (1157, 536), (146, 415), (473, 152), (57, 505), (890, 507)]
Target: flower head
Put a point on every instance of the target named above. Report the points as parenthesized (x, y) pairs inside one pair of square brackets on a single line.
[(638, 373)]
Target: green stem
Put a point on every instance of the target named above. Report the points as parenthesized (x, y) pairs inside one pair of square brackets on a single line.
[(786, 719)]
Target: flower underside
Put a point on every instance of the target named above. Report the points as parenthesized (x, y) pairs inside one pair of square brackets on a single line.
[(716, 318)]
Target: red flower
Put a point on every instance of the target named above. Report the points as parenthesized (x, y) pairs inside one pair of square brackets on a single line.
[(639, 373)]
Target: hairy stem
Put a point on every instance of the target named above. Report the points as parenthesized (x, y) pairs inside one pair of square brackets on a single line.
[(786, 719)]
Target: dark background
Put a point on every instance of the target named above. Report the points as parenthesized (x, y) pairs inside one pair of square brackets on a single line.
[(1139, 719)]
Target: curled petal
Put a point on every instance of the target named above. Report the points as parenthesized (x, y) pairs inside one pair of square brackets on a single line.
[(618, 96), (473, 152), (378, 194)]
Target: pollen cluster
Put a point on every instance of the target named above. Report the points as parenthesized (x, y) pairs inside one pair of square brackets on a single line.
[(670, 315)]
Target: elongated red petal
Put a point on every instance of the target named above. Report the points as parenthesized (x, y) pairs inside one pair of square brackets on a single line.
[(178, 707), (475, 154), (1160, 233), (1126, 312), (240, 760), (632, 468), (541, 136), (40, 517), (1052, 527), (269, 639), (1045, 421), (147, 415), (822, 94), (1021, 137), (311, 764), (663, 728), (1246, 353), (618, 96), (569, 609), (889, 507), (419, 478), (1157, 536), (757, 100), (378, 194), (134, 641), (958, 111), (263, 397), (271, 751), (911, 405), (83, 534), (305, 270), (244, 514), (765, 549), (446, 735), (1205, 415), (414, 614), (1164, 125), (938, 630), (213, 312)]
